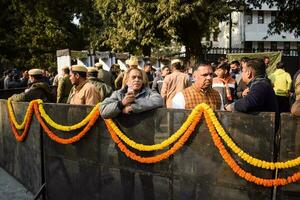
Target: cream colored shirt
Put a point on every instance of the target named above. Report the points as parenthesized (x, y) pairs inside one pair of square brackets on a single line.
[(84, 94), (172, 84)]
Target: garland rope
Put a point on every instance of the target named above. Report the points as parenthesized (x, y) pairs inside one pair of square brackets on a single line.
[(163, 144), (40, 113), (60, 127), (12, 115), (245, 156), (162, 156), (65, 140), (238, 170)]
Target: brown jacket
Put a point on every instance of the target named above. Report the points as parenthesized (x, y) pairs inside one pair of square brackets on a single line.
[(296, 106), (173, 83), (84, 94)]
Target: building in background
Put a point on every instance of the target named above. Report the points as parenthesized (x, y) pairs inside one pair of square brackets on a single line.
[(250, 31)]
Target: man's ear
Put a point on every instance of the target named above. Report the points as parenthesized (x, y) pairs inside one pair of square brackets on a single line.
[(249, 73), (194, 76)]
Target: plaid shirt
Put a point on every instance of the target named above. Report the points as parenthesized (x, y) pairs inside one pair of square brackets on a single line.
[(297, 88), (193, 97)]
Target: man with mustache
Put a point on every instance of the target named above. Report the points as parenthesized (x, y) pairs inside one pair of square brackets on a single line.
[(125, 103), (200, 92)]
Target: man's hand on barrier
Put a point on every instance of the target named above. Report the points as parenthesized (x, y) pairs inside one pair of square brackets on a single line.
[(127, 110)]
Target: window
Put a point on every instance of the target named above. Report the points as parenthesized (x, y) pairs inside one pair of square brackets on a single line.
[(286, 48), (260, 19), (260, 46), (249, 17), (273, 16), (273, 46)]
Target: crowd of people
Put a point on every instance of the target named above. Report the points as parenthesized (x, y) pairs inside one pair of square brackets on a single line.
[(236, 86), (233, 86)]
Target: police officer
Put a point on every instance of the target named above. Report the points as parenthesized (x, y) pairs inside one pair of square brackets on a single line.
[(104, 89), (64, 86), (37, 88), (82, 92)]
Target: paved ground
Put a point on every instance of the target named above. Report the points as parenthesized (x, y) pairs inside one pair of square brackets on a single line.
[(11, 189)]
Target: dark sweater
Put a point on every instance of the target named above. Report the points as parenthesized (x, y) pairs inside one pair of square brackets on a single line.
[(261, 97)]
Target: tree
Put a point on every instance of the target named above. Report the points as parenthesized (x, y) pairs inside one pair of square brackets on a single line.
[(131, 26), (32, 31), (136, 26), (287, 18)]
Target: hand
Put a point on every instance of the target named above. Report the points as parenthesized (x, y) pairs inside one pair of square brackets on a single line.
[(245, 92), (228, 107), (128, 99), (127, 110), (295, 110)]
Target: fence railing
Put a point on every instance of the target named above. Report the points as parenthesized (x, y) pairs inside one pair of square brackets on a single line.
[(286, 52)]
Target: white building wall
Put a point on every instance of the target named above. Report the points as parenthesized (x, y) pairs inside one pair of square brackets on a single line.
[(243, 32), (237, 36)]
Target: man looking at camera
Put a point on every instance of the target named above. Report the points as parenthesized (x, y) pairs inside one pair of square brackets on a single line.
[(133, 98)]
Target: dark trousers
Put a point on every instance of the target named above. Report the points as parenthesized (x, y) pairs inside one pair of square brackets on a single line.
[(283, 103)]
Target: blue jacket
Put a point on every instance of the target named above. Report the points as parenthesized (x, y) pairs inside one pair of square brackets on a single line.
[(261, 97)]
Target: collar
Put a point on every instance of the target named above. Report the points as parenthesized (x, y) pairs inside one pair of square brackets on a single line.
[(142, 91), (256, 79), (201, 90), (78, 87), (94, 79)]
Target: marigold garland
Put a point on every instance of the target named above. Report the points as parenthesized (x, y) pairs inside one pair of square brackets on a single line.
[(27, 120), (12, 115), (67, 140), (95, 112), (163, 144), (162, 156), (64, 127), (245, 156), (238, 170)]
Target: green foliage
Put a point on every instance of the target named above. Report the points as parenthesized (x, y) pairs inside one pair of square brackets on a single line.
[(31, 31), (134, 25)]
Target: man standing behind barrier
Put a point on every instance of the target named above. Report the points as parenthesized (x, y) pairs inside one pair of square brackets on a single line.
[(104, 89), (133, 62), (64, 86), (83, 92), (261, 96), (281, 81), (133, 98), (200, 92), (37, 88), (296, 106), (104, 76), (158, 81), (175, 82)]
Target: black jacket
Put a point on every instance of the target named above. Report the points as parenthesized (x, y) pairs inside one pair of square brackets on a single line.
[(261, 97), (36, 90)]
